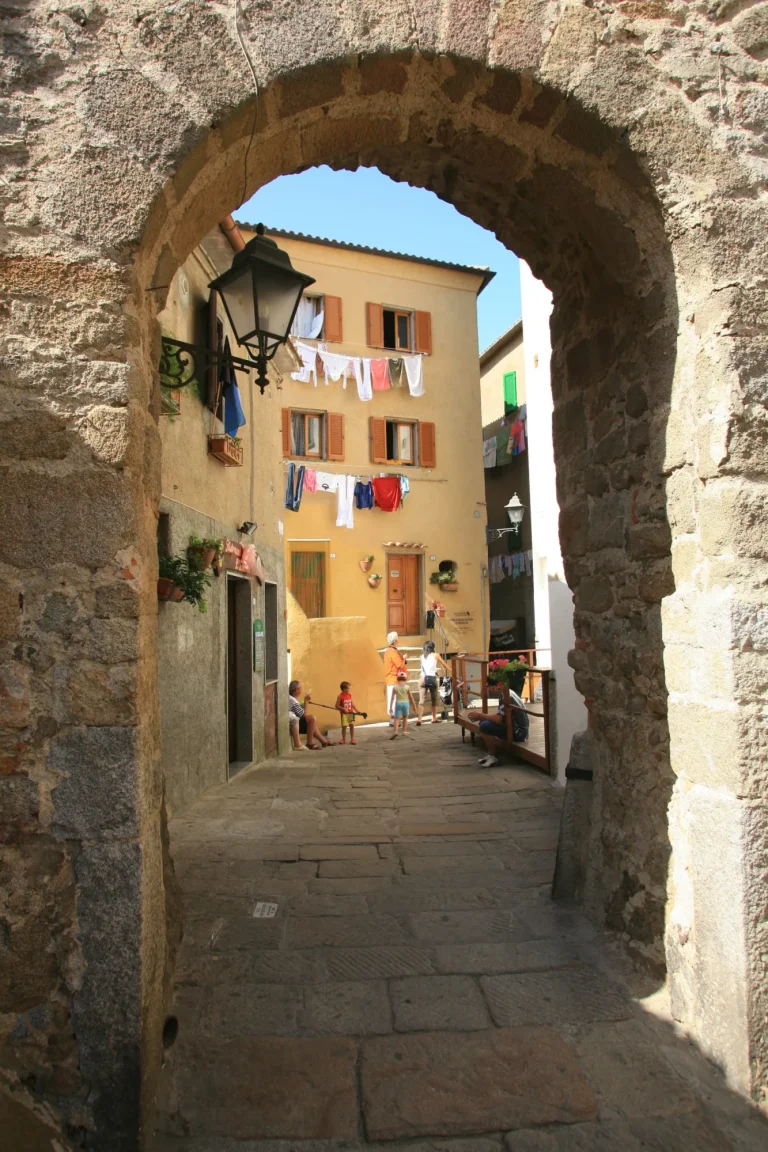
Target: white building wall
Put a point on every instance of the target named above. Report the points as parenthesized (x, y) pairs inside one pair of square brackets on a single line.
[(553, 602)]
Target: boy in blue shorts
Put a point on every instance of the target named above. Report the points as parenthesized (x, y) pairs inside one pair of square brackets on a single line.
[(402, 699)]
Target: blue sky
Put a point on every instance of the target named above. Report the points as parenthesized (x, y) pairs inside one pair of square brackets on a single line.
[(366, 207)]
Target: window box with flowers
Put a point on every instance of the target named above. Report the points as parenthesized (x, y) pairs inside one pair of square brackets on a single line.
[(510, 672), (227, 449)]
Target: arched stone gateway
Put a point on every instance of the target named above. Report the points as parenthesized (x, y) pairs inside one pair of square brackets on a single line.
[(618, 149)]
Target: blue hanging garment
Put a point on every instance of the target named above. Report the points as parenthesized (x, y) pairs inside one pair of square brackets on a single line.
[(234, 417)]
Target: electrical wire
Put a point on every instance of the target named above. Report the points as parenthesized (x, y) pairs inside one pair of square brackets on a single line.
[(247, 55)]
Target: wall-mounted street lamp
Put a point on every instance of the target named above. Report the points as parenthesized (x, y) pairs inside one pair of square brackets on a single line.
[(515, 511), (260, 293)]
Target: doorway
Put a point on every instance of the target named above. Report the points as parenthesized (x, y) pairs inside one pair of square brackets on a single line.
[(239, 675), (404, 593), (270, 670)]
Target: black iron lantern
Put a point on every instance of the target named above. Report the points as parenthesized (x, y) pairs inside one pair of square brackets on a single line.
[(516, 512), (261, 292)]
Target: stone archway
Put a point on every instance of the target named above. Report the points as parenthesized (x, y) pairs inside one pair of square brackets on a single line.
[(636, 203)]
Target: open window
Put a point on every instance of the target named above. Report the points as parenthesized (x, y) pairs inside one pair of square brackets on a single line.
[(398, 329), (404, 442), (318, 318), (313, 435)]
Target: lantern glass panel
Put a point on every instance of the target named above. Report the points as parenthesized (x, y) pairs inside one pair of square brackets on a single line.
[(237, 295), (277, 295)]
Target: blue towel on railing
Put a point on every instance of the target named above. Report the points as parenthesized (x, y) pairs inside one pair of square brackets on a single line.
[(234, 417)]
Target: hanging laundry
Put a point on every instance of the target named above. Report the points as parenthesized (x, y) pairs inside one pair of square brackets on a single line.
[(310, 480), (364, 494), (306, 322), (523, 412), (397, 374), (380, 375), (495, 570), (345, 504), (515, 565), (362, 370), (386, 492), (414, 372), (502, 445), (489, 452), (336, 367), (506, 563), (517, 438), (326, 481), (294, 487), (405, 487), (308, 370), (234, 417)]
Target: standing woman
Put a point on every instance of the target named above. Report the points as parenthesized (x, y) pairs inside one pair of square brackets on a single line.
[(394, 662), (428, 681)]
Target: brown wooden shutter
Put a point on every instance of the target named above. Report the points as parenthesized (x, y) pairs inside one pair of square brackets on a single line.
[(214, 327), (427, 454), (335, 436), (378, 440), (286, 431), (423, 332), (332, 329), (374, 325)]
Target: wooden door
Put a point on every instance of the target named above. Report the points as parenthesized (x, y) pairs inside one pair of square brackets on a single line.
[(270, 719), (403, 594), (231, 671)]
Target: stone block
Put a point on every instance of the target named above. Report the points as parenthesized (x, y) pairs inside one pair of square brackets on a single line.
[(570, 996), (357, 964), (120, 599), (328, 139), (453, 927), (347, 1008), (101, 696), (257, 1088), (447, 1084), (250, 1010), (594, 594), (339, 852), (19, 800), (37, 435), (348, 869), (434, 1003), (344, 931), (14, 696), (488, 959), (96, 797), (382, 74), (649, 540), (10, 613), (106, 431), (111, 641)]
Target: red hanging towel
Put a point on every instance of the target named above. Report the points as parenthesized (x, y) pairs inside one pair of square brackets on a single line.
[(380, 375), (386, 492)]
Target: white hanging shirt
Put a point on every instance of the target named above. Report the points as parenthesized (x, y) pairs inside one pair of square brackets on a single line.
[(308, 354), (414, 371), (362, 369), (326, 481), (345, 517), (336, 366)]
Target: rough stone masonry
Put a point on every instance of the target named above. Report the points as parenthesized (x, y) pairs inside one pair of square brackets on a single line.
[(621, 150)]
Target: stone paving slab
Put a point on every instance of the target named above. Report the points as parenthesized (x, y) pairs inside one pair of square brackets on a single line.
[(339, 852), (377, 963), (457, 1083), (528, 956), (570, 996), (345, 931), (431, 1003), (252, 1010), (252, 1087), (455, 927), (344, 869), (349, 1008)]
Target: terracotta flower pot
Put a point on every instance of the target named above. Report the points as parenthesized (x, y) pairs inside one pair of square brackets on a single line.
[(165, 588), (449, 587), (366, 565), (178, 594), (374, 581), (202, 556)]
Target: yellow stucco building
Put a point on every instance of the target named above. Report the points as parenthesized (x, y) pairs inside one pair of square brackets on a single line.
[(368, 304)]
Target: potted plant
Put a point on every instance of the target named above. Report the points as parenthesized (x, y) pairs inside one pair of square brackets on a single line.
[(448, 582), (375, 579), (195, 583), (227, 449), (170, 582), (510, 672), (366, 564), (202, 553)]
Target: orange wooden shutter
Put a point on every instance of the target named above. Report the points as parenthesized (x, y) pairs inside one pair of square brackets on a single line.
[(286, 431), (378, 440), (332, 329), (423, 332), (335, 436), (427, 455), (374, 325)]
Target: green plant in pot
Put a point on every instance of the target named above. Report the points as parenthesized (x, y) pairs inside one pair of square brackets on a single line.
[(170, 581), (366, 564), (203, 552), (510, 672), (195, 583)]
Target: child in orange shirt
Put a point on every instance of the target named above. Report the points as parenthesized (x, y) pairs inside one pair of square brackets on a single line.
[(348, 712)]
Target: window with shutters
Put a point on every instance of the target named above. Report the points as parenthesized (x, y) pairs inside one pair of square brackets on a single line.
[(406, 442), (510, 391), (318, 318), (313, 435), (398, 329)]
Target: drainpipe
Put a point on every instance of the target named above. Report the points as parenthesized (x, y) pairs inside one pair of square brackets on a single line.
[(232, 232)]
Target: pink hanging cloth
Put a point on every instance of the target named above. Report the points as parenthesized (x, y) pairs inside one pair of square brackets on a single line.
[(380, 375)]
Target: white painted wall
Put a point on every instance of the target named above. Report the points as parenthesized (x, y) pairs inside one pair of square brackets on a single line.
[(553, 602)]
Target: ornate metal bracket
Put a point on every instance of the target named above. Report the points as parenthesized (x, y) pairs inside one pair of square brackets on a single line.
[(180, 363), (492, 534)]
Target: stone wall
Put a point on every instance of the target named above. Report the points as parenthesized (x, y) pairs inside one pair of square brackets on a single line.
[(620, 149)]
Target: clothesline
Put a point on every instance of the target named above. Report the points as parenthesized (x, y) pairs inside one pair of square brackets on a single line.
[(516, 564), (386, 492), (372, 374)]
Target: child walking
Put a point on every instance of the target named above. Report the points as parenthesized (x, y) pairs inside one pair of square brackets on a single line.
[(402, 698), (348, 712)]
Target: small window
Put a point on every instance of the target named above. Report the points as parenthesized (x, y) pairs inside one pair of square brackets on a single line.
[(397, 330), (308, 434), (309, 320), (401, 442)]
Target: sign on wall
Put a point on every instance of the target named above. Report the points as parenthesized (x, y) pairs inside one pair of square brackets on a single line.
[(258, 645)]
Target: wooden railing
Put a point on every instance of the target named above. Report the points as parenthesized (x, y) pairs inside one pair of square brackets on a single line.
[(536, 750)]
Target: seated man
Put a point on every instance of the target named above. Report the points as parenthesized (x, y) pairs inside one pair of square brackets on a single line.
[(494, 728)]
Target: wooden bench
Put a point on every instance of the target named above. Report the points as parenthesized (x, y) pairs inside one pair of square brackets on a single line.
[(535, 750)]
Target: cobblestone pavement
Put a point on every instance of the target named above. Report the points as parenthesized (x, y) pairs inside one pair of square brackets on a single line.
[(416, 983)]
